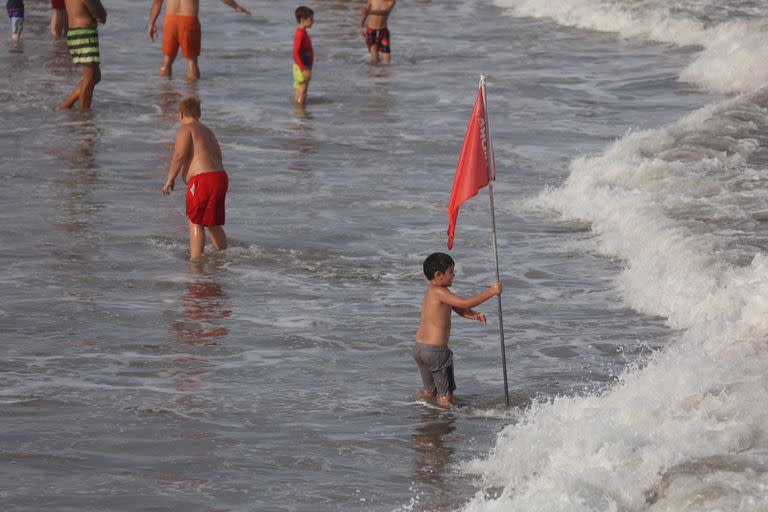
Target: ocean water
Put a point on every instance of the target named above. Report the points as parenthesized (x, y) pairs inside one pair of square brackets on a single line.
[(632, 229)]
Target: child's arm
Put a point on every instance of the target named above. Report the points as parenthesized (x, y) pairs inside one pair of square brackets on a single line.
[(364, 12), (154, 13), (180, 158), (97, 10), (458, 302), (236, 6), (471, 315)]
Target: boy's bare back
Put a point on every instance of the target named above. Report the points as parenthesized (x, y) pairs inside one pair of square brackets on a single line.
[(378, 12), (182, 7), (85, 13), (199, 148), (435, 324)]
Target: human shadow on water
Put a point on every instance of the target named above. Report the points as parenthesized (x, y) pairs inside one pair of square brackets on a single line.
[(434, 459), (169, 96), (204, 304), (81, 177), (303, 145)]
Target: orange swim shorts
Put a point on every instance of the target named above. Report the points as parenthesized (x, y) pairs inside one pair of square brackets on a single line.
[(181, 31), (206, 193)]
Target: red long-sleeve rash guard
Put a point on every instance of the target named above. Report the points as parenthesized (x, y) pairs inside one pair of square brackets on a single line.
[(303, 55)]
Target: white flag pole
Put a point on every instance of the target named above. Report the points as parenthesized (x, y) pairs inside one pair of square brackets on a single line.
[(491, 175)]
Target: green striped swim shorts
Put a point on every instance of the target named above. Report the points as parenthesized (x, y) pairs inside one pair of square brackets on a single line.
[(83, 45)]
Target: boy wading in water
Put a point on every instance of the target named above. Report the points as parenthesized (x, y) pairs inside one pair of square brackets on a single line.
[(377, 34), (197, 156), (181, 28), (303, 55), (83, 43), (432, 355)]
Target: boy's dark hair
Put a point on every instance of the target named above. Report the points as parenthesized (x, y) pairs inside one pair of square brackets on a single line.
[(304, 13), (437, 262)]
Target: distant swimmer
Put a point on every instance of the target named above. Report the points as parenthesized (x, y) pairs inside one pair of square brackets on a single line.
[(83, 43), (197, 156), (377, 34), (432, 355), (303, 54), (181, 28), (16, 14)]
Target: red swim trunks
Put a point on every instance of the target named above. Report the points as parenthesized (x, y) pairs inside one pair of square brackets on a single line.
[(58, 4), (205, 198), (181, 31)]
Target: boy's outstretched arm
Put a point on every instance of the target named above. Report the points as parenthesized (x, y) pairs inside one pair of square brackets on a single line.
[(236, 6), (458, 302), (154, 13), (181, 158), (97, 10)]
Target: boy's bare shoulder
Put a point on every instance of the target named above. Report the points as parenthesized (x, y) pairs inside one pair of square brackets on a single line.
[(438, 292)]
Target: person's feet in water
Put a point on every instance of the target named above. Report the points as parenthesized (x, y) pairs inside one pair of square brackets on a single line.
[(426, 395), (444, 402)]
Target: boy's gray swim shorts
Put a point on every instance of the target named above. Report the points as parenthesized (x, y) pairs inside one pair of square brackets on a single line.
[(436, 368)]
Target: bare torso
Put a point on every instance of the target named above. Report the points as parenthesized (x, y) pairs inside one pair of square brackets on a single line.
[(85, 13), (204, 152), (378, 13), (182, 7), (435, 324)]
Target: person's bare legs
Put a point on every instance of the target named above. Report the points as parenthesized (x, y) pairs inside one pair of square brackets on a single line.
[(91, 76), (196, 241), (218, 237), (386, 58), (444, 402), (15, 38), (72, 98), (301, 93), (193, 71), (83, 91), (59, 23), (166, 68), (374, 53), (426, 395)]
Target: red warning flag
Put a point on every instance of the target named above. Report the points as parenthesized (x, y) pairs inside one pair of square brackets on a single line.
[(472, 171)]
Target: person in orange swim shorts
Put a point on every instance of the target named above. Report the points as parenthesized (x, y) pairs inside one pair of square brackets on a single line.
[(197, 155), (181, 28)]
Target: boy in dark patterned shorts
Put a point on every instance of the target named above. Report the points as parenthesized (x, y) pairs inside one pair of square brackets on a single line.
[(377, 34)]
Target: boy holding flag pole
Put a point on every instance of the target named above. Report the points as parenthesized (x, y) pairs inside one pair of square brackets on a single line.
[(435, 361)]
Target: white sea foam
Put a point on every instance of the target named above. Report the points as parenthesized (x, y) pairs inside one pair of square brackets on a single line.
[(733, 53), (688, 431)]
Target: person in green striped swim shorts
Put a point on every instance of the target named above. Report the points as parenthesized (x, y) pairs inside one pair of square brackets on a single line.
[(83, 43)]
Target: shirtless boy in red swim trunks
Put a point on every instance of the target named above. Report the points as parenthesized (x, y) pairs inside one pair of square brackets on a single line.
[(377, 34), (197, 156), (181, 28)]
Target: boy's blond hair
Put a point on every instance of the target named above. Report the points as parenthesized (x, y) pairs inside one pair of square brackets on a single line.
[(190, 106)]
